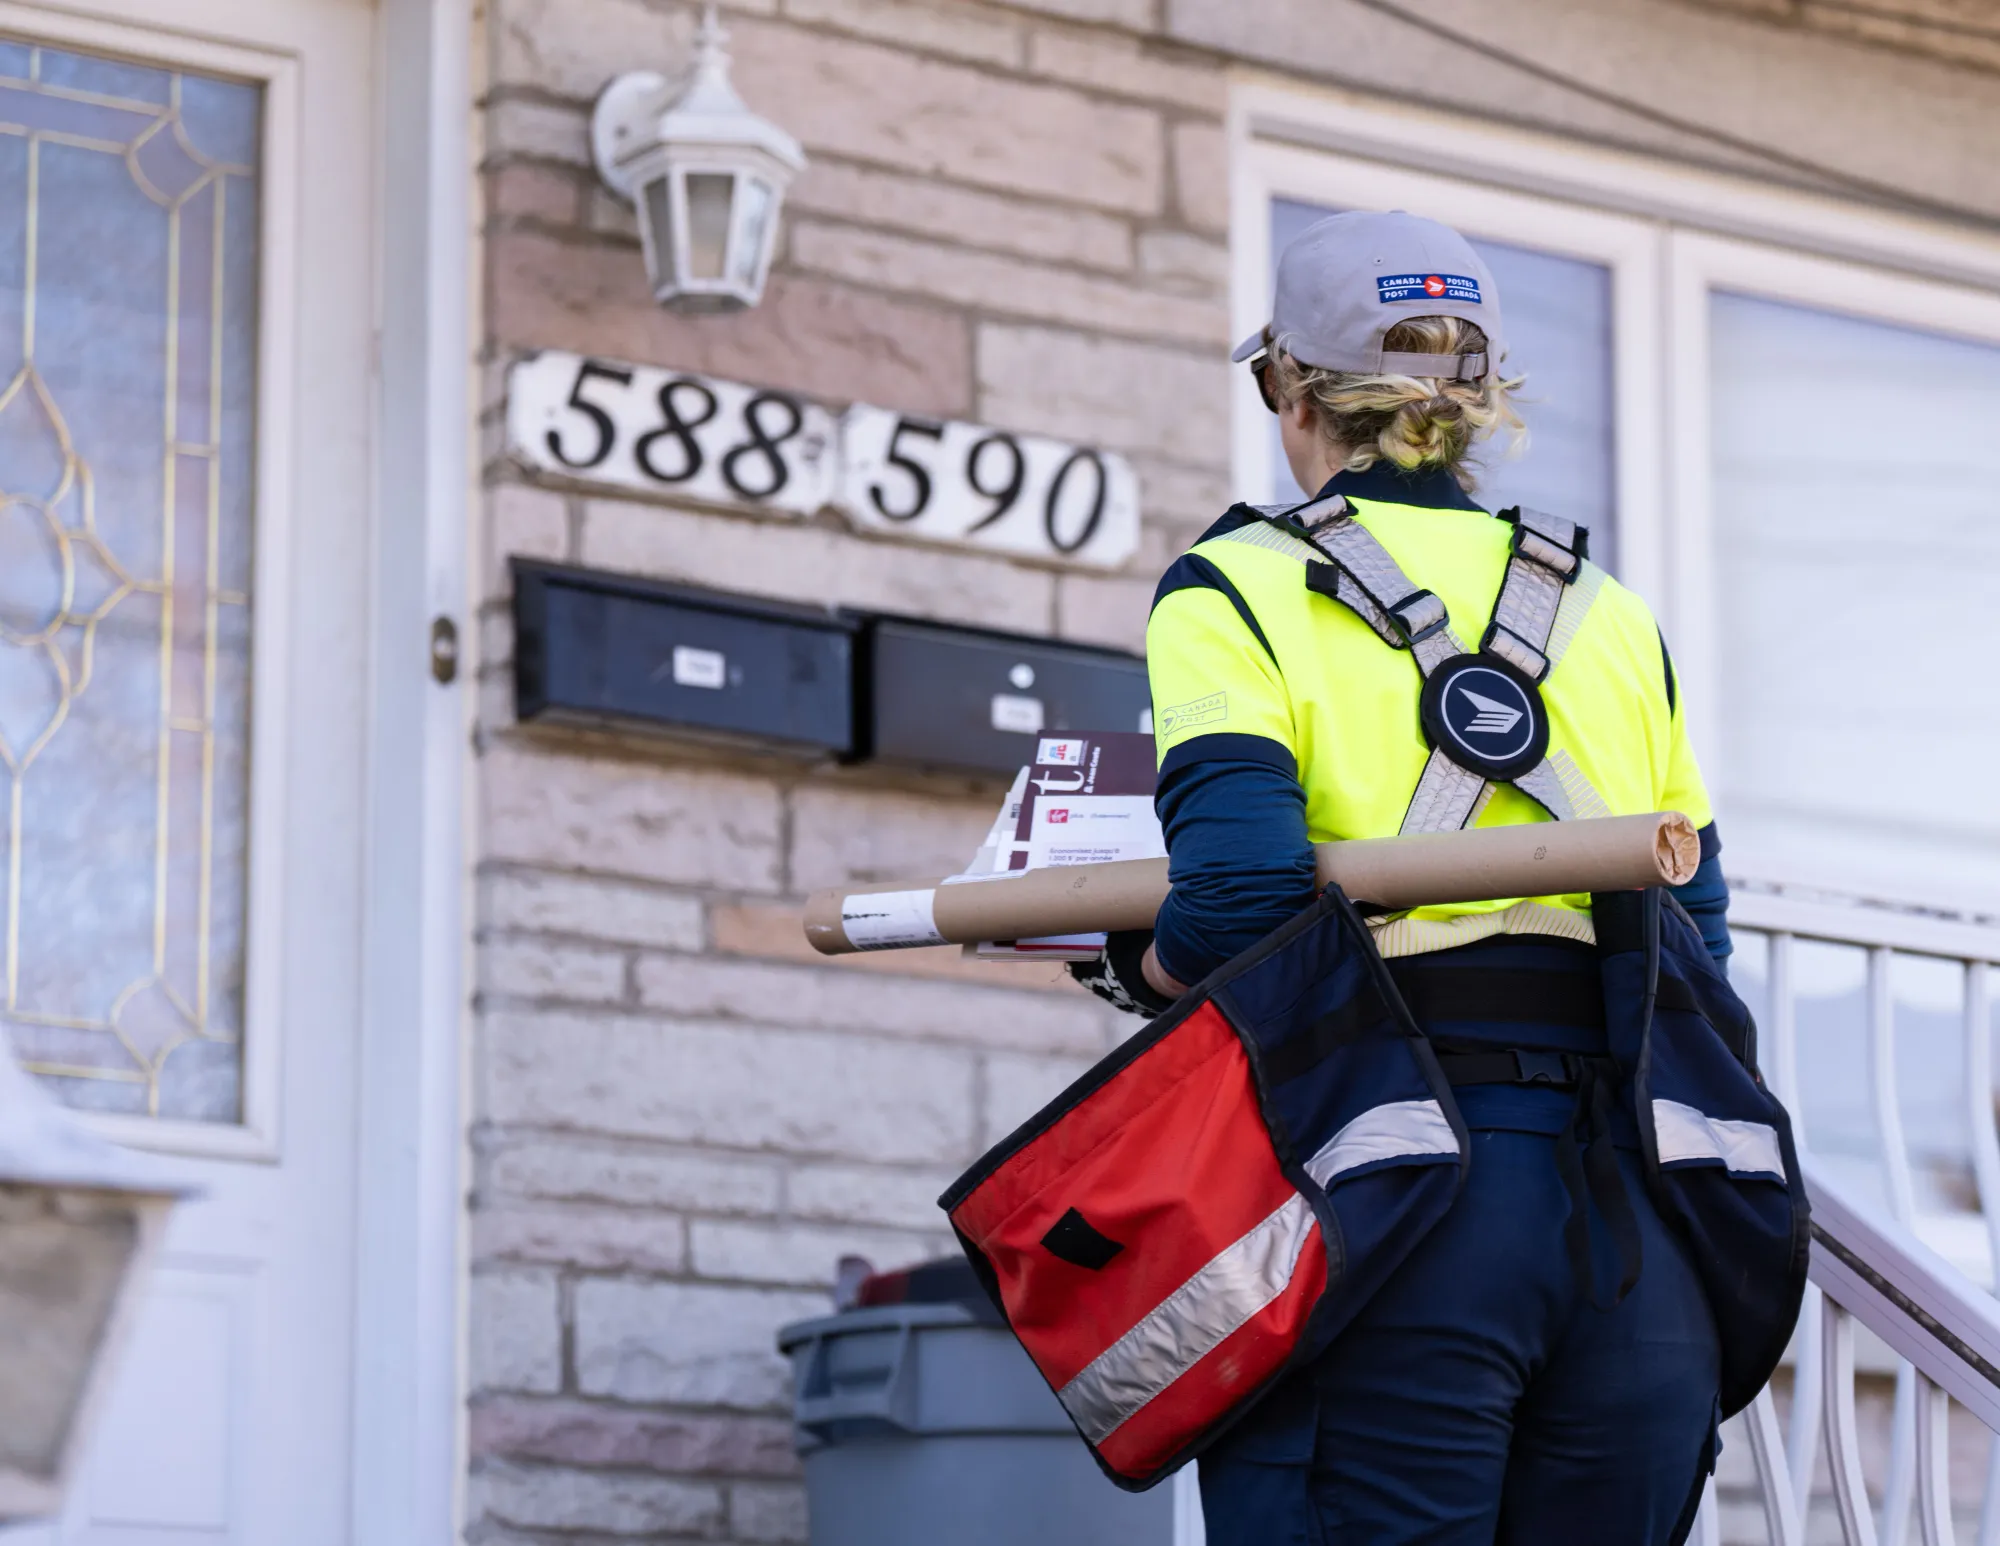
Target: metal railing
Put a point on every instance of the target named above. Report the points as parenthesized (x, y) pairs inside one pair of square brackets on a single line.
[(1870, 1266)]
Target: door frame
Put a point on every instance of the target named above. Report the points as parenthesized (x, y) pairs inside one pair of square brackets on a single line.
[(408, 1412)]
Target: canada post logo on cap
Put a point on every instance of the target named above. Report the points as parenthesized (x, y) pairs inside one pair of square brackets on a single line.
[(1427, 287)]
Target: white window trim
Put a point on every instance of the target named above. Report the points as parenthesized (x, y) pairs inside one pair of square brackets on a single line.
[(1698, 265), (256, 1136)]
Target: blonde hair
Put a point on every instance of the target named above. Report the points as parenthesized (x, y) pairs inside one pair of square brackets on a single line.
[(1411, 421)]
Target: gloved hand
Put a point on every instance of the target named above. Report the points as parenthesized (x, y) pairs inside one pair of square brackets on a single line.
[(1115, 976)]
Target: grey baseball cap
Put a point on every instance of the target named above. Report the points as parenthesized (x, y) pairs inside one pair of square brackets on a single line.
[(1345, 281)]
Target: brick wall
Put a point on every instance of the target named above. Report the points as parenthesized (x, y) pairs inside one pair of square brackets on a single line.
[(682, 1116)]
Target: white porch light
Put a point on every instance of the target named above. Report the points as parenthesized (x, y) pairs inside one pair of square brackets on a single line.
[(80, 1223), (707, 175)]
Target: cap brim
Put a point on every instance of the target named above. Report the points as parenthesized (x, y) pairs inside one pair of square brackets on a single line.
[(1254, 344)]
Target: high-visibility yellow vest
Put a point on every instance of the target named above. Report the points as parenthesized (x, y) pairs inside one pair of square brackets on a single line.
[(1247, 662)]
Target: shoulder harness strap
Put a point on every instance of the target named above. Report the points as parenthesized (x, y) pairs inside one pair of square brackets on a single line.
[(1548, 586)]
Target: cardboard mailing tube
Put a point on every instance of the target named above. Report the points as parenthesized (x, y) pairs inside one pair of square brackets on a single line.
[(1611, 853)]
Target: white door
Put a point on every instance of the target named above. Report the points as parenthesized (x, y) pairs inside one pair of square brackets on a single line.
[(186, 298)]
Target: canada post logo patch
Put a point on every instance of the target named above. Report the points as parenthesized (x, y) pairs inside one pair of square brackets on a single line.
[(1426, 287), (1196, 711)]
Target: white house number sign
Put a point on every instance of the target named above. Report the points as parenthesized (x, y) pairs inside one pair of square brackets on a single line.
[(667, 432)]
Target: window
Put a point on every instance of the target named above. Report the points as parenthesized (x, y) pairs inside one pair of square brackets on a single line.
[(129, 248)]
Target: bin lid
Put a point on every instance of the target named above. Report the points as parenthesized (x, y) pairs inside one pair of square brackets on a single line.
[(877, 1318)]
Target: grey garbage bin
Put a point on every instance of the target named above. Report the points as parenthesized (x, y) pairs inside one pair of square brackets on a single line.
[(926, 1425)]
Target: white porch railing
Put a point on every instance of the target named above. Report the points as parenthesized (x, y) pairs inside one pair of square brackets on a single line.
[(1871, 1265)]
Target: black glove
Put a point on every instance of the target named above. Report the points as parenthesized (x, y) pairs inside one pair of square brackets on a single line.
[(1115, 975)]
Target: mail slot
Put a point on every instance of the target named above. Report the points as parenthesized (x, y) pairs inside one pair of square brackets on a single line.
[(597, 648), (970, 699)]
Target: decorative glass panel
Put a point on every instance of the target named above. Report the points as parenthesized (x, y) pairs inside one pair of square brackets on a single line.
[(1557, 313), (128, 318), (1857, 542)]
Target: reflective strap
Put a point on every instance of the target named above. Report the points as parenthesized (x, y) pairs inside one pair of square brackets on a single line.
[(1396, 1129), (1189, 1323), (1383, 589), (1577, 599), (1557, 529), (1447, 797), (1542, 785), (1546, 559), (1745, 1148)]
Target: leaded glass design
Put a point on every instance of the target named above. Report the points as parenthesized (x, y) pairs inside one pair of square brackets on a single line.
[(128, 314)]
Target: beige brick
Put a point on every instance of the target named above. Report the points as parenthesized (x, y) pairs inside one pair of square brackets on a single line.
[(1195, 264), (1099, 61), (516, 1331), (767, 1511), (776, 930), (844, 834), (1916, 31), (802, 1255), (693, 1343), (587, 1433), (1105, 611), (521, 127), (997, 222), (1004, 285), (747, 1087), (868, 1194), (691, 987), (939, 28), (816, 564), (881, 104), (572, 48), (1132, 397), (823, 339), (522, 522), (496, 651), (1173, 494), (608, 1171), (1201, 176), (541, 903), (614, 1503), (642, 819), (1138, 15), (543, 969), (607, 214), (1017, 1087), (598, 1239), (525, 191)]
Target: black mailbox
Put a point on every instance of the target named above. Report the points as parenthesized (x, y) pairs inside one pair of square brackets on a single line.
[(600, 649), (967, 698)]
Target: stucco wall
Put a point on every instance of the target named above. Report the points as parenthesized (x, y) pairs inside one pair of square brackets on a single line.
[(1015, 213)]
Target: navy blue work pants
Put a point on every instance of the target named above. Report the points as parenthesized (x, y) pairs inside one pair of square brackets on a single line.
[(1481, 1399)]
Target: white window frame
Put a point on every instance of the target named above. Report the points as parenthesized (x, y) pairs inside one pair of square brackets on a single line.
[(1698, 265), (1670, 234), (256, 1135)]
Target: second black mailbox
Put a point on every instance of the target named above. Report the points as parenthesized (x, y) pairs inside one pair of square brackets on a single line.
[(937, 696)]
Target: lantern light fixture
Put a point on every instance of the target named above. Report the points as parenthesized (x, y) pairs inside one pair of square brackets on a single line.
[(80, 1224), (706, 174)]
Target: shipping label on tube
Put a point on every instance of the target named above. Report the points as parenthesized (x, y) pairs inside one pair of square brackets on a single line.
[(890, 920)]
